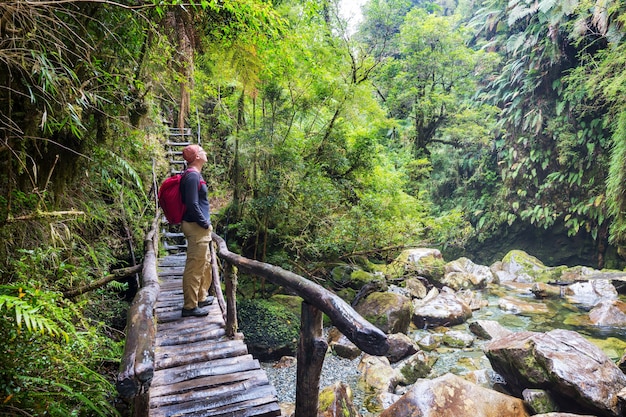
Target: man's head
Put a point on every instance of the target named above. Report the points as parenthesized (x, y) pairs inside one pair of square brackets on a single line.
[(191, 152)]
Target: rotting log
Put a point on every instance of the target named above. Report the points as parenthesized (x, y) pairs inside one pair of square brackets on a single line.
[(137, 363), (362, 333), (310, 358)]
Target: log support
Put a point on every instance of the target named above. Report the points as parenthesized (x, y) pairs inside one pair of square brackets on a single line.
[(230, 278), (310, 358)]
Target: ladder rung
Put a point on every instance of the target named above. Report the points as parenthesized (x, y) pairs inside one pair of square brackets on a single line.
[(173, 235)]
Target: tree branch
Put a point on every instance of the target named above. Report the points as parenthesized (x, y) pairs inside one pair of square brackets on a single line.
[(118, 273), (45, 214)]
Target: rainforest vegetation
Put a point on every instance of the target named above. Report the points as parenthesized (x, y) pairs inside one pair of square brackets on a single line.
[(445, 123)]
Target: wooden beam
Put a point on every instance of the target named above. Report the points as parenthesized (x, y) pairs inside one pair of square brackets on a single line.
[(310, 358), (362, 333), (230, 278), (137, 363)]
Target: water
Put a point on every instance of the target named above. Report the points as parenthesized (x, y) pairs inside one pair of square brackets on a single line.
[(560, 315)]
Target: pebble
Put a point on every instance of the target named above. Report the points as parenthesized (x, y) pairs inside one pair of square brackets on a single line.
[(335, 369)]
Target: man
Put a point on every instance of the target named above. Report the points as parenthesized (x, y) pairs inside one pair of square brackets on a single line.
[(196, 226)]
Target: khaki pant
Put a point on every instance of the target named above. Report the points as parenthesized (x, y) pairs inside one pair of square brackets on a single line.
[(197, 276)]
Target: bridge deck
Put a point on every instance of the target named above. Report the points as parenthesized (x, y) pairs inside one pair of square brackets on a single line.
[(198, 370)]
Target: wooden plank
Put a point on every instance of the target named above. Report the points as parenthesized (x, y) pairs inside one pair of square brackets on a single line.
[(190, 324), (186, 357), (180, 339), (209, 388), (222, 407), (216, 367), (166, 351)]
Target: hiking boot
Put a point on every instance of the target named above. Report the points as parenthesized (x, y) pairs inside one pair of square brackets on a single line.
[(209, 300), (195, 312)]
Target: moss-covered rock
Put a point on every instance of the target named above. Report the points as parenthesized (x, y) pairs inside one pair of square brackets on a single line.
[(336, 401), (519, 266), (271, 330), (292, 303), (424, 262), (390, 312), (341, 275), (359, 278)]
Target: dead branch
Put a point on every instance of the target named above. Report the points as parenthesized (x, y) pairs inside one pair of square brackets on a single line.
[(117, 274), (45, 214)]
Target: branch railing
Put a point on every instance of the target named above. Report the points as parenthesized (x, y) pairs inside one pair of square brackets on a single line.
[(312, 346), (137, 365)]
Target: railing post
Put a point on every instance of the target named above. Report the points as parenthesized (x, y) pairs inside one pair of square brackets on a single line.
[(310, 358), (230, 279)]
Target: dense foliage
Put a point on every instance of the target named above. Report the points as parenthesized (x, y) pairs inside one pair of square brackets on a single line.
[(428, 123)]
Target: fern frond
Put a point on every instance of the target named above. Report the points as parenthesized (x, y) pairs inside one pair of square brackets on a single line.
[(30, 316), (123, 166), (76, 395)]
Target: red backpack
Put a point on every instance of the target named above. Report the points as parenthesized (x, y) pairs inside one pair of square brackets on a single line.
[(170, 200)]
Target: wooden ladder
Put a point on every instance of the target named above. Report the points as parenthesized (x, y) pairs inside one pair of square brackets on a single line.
[(178, 138)]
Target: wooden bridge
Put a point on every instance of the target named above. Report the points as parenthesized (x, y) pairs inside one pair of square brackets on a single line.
[(200, 366), (198, 370)]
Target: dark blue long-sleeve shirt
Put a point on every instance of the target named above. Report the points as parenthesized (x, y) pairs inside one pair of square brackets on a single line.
[(194, 192)]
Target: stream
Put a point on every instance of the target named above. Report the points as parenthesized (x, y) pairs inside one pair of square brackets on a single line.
[(460, 361)]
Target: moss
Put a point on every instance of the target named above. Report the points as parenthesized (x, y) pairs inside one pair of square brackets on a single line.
[(268, 324), (292, 303), (359, 278), (326, 398)]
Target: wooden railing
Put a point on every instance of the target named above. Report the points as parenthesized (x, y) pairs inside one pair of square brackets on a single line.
[(137, 365)]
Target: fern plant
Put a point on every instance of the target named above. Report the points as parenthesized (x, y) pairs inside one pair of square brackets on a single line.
[(28, 314)]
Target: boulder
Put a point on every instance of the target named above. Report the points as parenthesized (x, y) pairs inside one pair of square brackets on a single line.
[(518, 306), (377, 379), (377, 374), (609, 313), (519, 266), (539, 401), (563, 363), (417, 366), (400, 346), (424, 262), (473, 299), (390, 312), (463, 273), (458, 339), (452, 396), (336, 401), (488, 329), (590, 293), (341, 346), (444, 309), (543, 290), (429, 341), (415, 288)]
